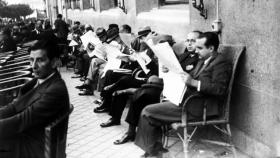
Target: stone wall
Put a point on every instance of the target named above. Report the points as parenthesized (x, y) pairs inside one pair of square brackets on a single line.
[(255, 111)]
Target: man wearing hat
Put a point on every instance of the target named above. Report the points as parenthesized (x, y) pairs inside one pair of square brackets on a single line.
[(96, 64), (116, 81)]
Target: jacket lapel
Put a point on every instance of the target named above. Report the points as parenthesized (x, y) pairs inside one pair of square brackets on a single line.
[(34, 94), (205, 66)]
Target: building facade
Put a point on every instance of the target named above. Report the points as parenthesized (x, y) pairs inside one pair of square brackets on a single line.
[(255, 110)]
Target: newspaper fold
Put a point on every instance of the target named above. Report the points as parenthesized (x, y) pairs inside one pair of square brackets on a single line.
[(174, 86)]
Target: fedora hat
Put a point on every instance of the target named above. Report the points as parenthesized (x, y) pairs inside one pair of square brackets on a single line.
[(144, 31), (155, 81), (112, 34), (100, 32), (161, 38)]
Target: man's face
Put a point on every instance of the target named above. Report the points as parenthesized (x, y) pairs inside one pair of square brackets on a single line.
[(190, 41), (38, 25), (202, 50), (103, 38), (42, 66)]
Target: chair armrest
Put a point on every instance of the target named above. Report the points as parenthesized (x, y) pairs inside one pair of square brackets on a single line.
[(184, 108), (136, 74), (55, 136)]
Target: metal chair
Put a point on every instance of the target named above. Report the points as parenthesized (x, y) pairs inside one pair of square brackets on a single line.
[(13, 75), (9, 89), (22, 63), (19, 68), (56, 136), (220, 123)]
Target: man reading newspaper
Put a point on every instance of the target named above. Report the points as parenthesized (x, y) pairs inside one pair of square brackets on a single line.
[(209, 78)]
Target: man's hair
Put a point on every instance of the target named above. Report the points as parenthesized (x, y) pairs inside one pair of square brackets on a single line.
[(49, 44), (59, 16), (212, 39), (197, 31)]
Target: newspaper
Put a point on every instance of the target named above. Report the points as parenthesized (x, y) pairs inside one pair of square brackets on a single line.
[(89, 37), (143, 60), (73, 43), (113, 62), (174, 86)]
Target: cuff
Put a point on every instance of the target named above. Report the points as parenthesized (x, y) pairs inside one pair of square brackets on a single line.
[(198, 86)]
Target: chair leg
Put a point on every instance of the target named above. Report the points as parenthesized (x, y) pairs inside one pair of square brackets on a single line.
[(186, 142), (165, 136), (230, 140)]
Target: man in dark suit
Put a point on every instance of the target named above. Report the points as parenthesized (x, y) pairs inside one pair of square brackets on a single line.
[(7, 43), (209, 78), (61, 29), (41, 101)]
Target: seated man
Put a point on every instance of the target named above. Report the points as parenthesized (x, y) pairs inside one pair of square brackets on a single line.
[(143, 97), (96, 63), (117, 81), (41, 101), (210, 78), (7, 43)]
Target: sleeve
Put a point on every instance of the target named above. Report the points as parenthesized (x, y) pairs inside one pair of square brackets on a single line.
[(217, 82), (7, 111), (41, 112)]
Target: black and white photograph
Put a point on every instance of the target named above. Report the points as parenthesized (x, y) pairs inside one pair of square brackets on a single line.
[(139, 79)]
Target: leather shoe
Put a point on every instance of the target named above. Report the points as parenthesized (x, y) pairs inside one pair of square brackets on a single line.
[(83, 86), (86, 92), (100, 110), (110, 122), (125, 138)]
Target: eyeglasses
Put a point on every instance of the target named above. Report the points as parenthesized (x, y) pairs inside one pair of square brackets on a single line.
[(190, 40)]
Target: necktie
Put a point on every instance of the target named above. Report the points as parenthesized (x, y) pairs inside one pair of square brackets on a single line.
[(198, 69)]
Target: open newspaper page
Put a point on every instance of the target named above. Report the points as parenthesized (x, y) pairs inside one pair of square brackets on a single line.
[(113, 62), (90, 38), (143, 60), (73, 43), (174, 86)]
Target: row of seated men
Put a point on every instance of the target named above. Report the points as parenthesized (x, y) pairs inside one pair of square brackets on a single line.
[(206, 72)]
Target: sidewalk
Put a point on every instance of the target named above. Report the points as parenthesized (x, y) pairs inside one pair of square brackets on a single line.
[(86, 139)]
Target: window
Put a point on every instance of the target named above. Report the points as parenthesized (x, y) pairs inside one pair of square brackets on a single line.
[(170, 2), (88, 4), (173, 4), (76, 4), (67, 4)]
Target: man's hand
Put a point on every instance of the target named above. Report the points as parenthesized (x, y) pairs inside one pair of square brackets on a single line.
[(164, 69), (125, 91), (189, 80)]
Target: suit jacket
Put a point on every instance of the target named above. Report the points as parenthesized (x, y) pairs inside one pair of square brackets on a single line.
[(61, 28), (8, 44), (22, 122), (214, 80), (188, 61)]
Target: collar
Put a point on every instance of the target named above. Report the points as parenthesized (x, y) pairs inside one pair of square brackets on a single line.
[(40, 81), (207, 60)]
